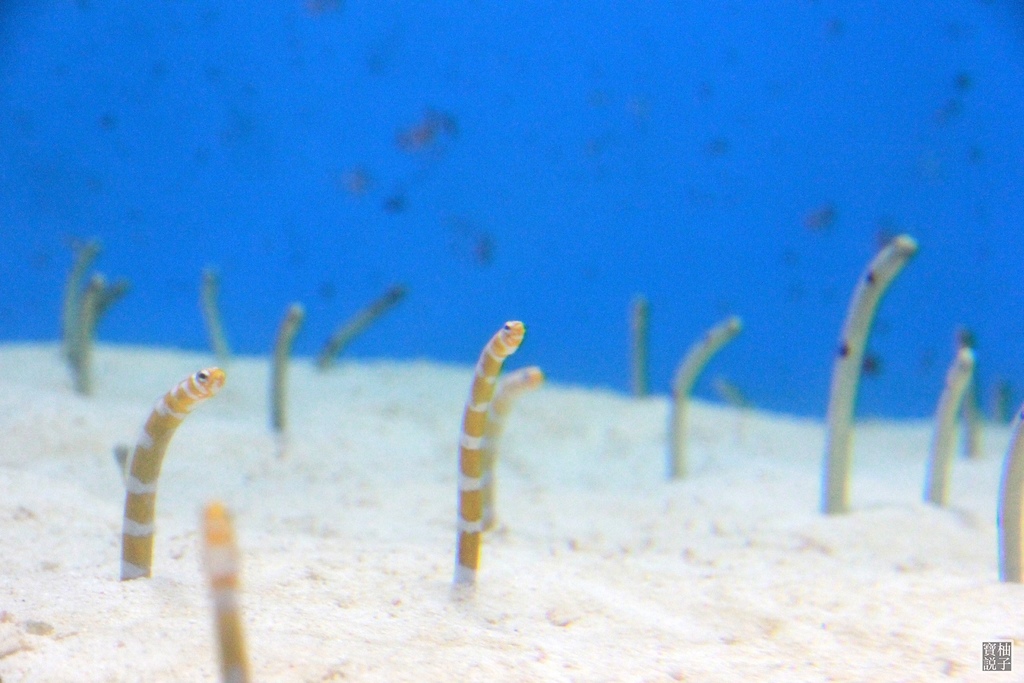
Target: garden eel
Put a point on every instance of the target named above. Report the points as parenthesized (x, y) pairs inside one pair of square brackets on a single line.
[(279, 369), (686, 376), (143, 467), (209, 291), (353, 327), (470, 517), (221, 563), (887, 264), (509, 388), (940, 464), (639, 324), (1011, 507)]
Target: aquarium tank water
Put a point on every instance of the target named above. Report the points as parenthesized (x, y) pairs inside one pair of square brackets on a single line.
[(547, 162)]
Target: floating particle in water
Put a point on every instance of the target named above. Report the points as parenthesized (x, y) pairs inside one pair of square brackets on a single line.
[(597, 98), (975, 154), (356, 181), (108, 121), (483, 250), (949, 111), (376, 62), (872, 365), (794, 292), (834, 27), (396, 203), (718, 147), (886, 231), (41, 259), (158, 71), (237, 130), (929, 165), (963, 81), (428, 132), (595, 146), (448, 124), (639, 109), (316, 8), (416, 138), (469, 242), (957, 31), (24, 121), (381, 56), (326, 290), (822, 218), (705, 91), (927, 361)]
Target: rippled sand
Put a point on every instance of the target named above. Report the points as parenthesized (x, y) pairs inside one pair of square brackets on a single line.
[(599, 571)]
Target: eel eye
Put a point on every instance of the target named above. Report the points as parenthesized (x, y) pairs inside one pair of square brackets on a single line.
[(202, 376)]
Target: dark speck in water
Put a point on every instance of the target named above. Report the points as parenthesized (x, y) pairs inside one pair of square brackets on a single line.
[(396, 203), (872, 365)]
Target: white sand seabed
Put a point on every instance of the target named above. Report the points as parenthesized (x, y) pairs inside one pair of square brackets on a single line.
[(601, 570)]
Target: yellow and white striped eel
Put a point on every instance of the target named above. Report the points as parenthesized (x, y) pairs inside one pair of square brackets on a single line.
[(509, 388), (470, 519), (143, 467), (221, 563)]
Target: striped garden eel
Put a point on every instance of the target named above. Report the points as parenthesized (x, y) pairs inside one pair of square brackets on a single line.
[(509, 388), (887, 264), (940, 464), (470, 517), (221, 563), (686, 376), (143, 467)]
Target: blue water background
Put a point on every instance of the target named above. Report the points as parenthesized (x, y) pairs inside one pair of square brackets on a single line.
[(574, 155)]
